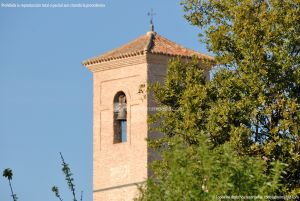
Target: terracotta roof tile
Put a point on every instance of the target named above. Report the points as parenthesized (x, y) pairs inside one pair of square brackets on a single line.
[(149, 43)]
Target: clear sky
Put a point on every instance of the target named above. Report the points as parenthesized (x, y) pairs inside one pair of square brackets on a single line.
[(46, 94)]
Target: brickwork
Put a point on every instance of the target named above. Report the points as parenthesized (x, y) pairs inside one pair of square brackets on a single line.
[(122, 163), (119, 167)]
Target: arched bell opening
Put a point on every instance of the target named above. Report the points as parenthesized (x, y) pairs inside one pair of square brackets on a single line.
[(120, 117)]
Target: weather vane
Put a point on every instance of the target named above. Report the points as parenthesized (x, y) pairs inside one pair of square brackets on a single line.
[(151, 14)]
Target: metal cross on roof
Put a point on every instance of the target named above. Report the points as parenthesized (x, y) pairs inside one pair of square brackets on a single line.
[(151, 14)]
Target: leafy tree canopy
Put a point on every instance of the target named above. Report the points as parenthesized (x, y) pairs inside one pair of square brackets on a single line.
[(252, 103)]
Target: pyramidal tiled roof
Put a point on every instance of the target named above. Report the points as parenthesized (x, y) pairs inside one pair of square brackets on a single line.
[(149, 43)]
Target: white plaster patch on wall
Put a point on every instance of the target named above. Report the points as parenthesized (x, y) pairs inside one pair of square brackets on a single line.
[(118, 174)]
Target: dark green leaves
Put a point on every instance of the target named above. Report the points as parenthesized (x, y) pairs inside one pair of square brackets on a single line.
[(8, 173)]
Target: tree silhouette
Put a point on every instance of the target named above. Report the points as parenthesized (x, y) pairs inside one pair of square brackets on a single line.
[(70, 181), (7, 173)]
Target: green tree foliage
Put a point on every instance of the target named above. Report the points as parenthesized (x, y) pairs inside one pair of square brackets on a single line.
[(7, 173), (195, 173), (256, 106), (55, 190), (193, 166), (252, 103), (70, 181)]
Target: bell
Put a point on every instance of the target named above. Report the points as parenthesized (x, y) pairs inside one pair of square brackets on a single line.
[(122, 114)]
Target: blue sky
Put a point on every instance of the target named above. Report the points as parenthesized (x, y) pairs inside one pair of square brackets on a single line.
[(46, 94)]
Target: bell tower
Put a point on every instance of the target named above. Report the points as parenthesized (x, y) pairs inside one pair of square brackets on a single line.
[(120, 152)]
